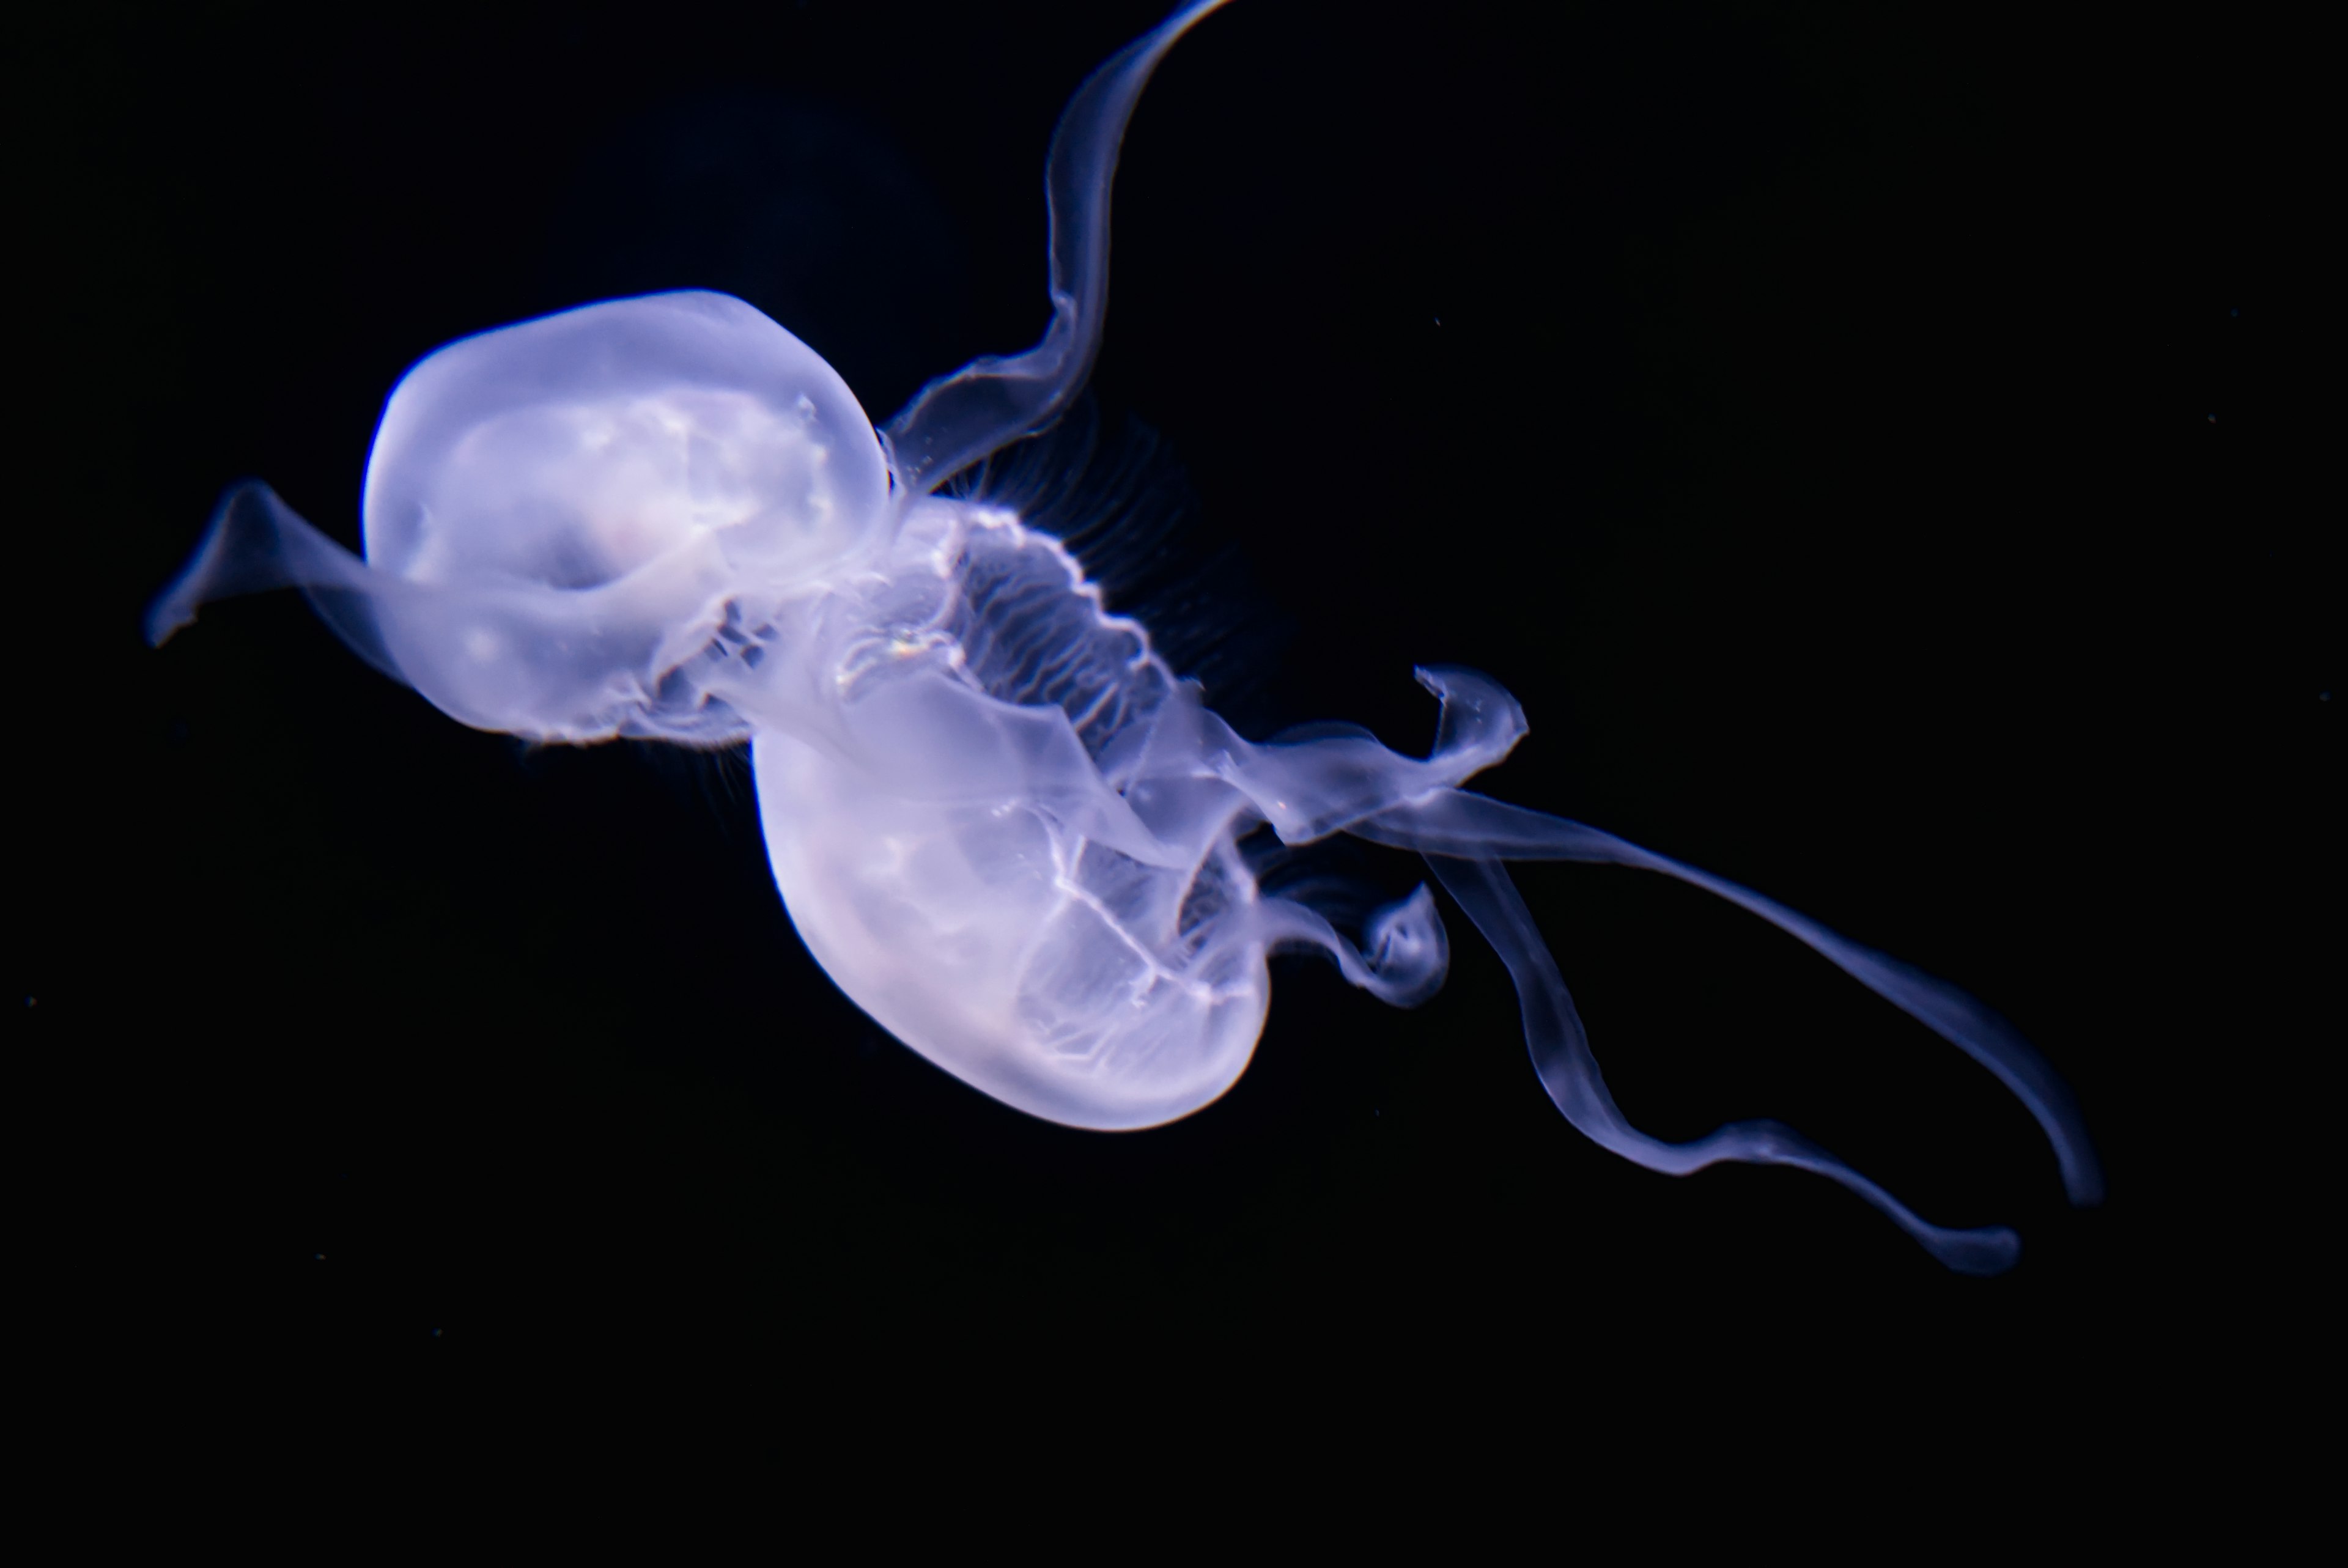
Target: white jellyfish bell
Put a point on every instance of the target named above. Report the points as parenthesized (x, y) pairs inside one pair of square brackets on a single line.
[(999, 822)]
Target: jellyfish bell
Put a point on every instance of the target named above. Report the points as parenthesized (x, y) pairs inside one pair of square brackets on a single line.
[(1016, 848), (1085, 988), (573, 450), (589, 490), (564, 519)]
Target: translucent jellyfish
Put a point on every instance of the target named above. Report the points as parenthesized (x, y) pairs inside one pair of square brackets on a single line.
[(1000, 822)]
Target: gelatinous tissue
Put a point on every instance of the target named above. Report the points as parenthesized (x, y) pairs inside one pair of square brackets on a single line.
[(1002, 823)]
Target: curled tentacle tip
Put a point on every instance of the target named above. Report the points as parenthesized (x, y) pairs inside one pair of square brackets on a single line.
[(1449, 683), (1408, 949), (1989, 1250), (2082, 1183), (165, 617)]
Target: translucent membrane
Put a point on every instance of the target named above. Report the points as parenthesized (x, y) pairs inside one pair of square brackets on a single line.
[(999, 822)]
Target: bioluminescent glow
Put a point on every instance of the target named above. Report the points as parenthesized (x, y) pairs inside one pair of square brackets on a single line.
[(1000, 822)]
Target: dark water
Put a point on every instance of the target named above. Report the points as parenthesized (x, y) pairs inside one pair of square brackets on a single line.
[(1809, 418)]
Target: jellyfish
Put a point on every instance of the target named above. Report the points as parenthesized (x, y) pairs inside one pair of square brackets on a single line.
[(999, 820)]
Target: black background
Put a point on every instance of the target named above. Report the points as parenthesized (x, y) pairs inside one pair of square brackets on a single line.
[(1843, 429)]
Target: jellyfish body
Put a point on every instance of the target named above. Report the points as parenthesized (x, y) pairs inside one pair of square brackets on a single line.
[(1000, 822)]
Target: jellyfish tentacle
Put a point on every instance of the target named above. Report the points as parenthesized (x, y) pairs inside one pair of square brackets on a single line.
[(520, 658), (959, 419), (1310, 788), (1569, 1073), (1328, 782), (1460, 822), (254, 543), (1403, 963)]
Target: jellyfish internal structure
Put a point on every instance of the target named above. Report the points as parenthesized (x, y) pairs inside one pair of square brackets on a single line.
[(1000, 822)]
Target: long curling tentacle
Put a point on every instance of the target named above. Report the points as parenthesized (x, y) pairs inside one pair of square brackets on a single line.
[(1458, 822), (962, 418), (1562, 1056)]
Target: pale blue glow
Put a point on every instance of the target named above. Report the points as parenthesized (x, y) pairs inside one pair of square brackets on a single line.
[(999, 822)]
